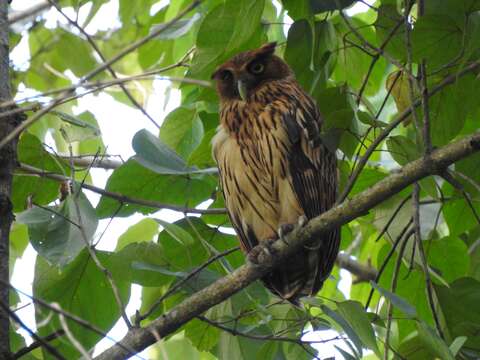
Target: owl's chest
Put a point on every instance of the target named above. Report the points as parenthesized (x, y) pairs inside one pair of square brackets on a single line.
[(254, 150)]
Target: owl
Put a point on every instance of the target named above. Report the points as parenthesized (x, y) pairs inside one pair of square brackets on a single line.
[(273, 167)]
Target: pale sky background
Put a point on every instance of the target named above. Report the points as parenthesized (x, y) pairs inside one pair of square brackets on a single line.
[(118, 124)]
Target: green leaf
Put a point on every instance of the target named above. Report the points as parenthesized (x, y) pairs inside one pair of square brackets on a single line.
[(73, 53), (134, 12), (182, 131), (353, 63), (402, 149), (396, 300), (450, 108), (433, 341), (194, 254), (438, 39), (456, 304), (202, 155), (143, 231), (41, 190), (82, 129), (156, 156), (329, 5), (449, 256), (139, 263), (148, 185), (55, 230), (413, 348), (355, 315), (459, 216), (81, 289), (345, 354), (387, 20), (457, 344), (304, 9), (202, 335), (319, 42), (176, 232), (345, 325), (237, 33), (176, 30), (18, 240), (178, 347)]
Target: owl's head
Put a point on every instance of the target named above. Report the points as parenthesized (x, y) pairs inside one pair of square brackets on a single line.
[(242, 75)]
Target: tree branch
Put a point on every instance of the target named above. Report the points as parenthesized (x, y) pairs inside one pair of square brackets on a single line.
[(140, 338), (30, 12), (361, 271)]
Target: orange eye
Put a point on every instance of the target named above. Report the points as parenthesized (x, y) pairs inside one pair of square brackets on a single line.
[(257, 68)]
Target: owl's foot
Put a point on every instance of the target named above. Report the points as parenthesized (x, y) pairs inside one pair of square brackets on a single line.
[(285, 229), (262, 253)]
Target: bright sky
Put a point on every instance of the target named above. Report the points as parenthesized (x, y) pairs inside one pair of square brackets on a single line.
[(117, 132)]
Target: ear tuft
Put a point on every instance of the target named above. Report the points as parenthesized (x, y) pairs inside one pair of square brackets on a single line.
[(267, 49)]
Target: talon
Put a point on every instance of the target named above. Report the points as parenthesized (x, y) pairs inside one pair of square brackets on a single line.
[(262, 253), (302, 220), (284, 229)]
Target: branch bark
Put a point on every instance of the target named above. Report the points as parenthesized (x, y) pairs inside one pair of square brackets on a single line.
[(35, 10), (140, 338)]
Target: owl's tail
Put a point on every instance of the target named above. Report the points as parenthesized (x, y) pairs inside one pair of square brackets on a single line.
[(304, 273)]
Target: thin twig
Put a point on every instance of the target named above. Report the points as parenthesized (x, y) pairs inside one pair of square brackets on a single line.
[(120, 197), (367, 44), (92, 253), (459, 187), (30, 12), (376, 57), (235, 332), (55, 353), (400, 118), (101, 161), (37, 344), (423, 258), (426, 111), (104, 59), (179, 284), (75, 343), (389, 256), (396, 271), (57, 309)]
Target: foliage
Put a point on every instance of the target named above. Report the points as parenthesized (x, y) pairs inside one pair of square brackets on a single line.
[(350, 64)]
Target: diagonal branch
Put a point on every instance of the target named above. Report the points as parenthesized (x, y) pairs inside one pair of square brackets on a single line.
[(140, 338)]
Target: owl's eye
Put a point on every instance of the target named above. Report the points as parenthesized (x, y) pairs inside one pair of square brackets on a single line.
[(256, 68), (226, 75)]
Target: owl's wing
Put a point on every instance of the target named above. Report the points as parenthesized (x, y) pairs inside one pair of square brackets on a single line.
[(312, 166), (313, 178)]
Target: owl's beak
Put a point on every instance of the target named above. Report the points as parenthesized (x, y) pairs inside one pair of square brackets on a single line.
[(242, 89)]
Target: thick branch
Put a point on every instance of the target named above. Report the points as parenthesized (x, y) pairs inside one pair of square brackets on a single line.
[(140, 338), (361, 271)]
